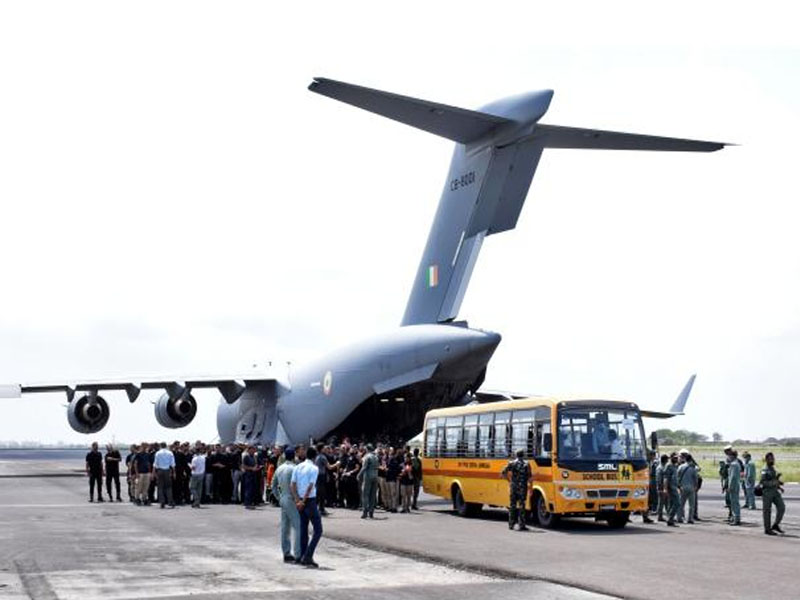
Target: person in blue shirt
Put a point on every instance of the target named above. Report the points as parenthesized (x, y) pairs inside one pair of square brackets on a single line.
[(304, 490)]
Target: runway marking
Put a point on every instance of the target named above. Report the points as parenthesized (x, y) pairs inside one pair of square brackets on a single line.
[(34, 581)]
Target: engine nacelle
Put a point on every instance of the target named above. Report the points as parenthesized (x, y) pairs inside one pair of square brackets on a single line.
[(88, 414), (176, 412)]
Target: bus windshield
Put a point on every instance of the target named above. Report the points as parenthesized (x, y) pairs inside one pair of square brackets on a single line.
[(600, 434)]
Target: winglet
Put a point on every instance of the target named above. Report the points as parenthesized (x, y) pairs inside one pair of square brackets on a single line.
[(680, 401), (10, 391), (677, 407)]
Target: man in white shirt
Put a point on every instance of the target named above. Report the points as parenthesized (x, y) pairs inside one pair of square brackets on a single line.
[(164, 463), (198, 475), (304, 491)]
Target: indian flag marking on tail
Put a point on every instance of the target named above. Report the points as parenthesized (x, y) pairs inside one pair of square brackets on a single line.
[(433, 276)]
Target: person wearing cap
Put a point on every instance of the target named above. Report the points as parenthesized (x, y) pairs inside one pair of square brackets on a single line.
[(368, 478), (670, 489), (749, 481), (290, 517), (687, 483), (734, 485), (519, 488)]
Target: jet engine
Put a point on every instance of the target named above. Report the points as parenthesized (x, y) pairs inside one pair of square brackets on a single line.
[(175, 412), (88, 414)]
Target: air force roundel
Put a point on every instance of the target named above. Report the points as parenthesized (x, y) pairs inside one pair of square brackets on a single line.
[(327, 383)]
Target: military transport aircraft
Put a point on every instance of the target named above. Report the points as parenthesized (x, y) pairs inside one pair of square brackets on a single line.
[(387, 383)]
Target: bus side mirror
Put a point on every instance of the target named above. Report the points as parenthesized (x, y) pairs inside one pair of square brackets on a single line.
[(653, 440), (547, 442)]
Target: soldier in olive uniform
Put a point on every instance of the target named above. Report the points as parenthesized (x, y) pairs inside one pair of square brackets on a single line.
[(772, 487), (518, 491), (652, 496), (670, 489), (734, 486), (749, 481), (663, 497), (687, 482)]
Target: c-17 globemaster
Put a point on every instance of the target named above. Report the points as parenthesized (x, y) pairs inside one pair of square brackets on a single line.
[(387, 383)]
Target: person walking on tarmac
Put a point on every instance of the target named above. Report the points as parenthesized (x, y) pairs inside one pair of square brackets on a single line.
[(519, 489), (772, 488)]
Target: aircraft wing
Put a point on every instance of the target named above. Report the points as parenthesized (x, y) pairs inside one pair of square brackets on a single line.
[(677, 407), (556, 136), (231, 387)]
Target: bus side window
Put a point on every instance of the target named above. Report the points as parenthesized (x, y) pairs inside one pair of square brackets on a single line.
[(470, 438), (430, 439), (486, 420), (502, 439), (522, 432), (542, 429)]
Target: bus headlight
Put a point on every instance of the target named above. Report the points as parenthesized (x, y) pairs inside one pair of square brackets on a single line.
[(640, 493), (571, 493)]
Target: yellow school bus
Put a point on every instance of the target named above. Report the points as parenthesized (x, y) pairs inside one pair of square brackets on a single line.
[(588, 457)]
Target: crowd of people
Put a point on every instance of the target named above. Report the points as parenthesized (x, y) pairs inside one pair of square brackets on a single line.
[(303, 481), (675, 481)]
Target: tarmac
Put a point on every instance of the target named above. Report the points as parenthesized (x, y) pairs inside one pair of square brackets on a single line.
[(54, 544)]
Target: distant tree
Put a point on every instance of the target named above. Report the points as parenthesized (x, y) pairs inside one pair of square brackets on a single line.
[(717, 437)]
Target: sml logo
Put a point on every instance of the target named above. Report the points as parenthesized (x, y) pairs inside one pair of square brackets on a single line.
[(606, 467)]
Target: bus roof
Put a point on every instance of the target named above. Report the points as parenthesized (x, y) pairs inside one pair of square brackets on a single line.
[(525, 403)]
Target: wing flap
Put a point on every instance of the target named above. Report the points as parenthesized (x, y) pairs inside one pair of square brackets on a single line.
[(556, 136), (453, 123)]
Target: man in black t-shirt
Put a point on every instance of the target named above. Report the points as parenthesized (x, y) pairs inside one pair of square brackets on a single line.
[(113, 458), (94, 469)]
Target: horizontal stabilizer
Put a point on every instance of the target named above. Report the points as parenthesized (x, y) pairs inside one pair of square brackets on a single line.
[(556, 136), (457, 124)]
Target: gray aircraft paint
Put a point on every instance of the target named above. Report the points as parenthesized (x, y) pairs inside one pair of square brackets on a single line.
[(429, 357)]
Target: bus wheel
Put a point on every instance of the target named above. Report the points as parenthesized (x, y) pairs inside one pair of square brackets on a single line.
[(544, 518), (618, 520), (462, 508)]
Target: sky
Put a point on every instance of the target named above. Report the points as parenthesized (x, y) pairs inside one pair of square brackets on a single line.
[(174, 201)]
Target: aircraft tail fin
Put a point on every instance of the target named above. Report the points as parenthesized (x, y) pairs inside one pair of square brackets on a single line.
[(497, 151), (457, 124)]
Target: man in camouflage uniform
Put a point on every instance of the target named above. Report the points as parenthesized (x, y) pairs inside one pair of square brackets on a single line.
[(772, 487), (518, 491), (670, 489)]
